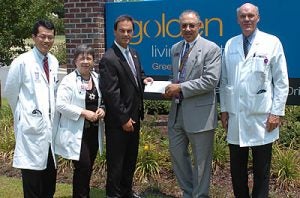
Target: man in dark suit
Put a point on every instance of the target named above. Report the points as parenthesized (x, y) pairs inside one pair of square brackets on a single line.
[(122, 83)]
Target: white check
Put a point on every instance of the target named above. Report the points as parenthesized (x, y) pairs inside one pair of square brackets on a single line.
[(157, 86)]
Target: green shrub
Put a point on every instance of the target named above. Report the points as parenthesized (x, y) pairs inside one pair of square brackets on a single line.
[(7, 138), (157, 107), (100, 165), (286, 166), (290, 128), (64, 164), (147, 167), (153, 152), (60, 52), (58, 24), (220, 152)]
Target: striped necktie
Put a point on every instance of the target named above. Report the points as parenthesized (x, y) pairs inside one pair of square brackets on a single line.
[(46, 67)]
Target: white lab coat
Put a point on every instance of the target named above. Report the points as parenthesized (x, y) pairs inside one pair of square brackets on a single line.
[(253, 87), (70, 103), (27, 89)]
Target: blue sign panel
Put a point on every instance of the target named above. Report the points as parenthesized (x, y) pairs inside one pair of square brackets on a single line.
[(157, 29)]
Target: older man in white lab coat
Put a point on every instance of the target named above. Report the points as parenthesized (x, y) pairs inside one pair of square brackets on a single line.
[(253, 93), (30, 90)]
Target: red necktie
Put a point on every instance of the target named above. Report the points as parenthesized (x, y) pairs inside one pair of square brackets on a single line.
[(46, 67)]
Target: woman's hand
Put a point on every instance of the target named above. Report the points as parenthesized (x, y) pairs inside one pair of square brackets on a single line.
[(90, 115), (101, 113)]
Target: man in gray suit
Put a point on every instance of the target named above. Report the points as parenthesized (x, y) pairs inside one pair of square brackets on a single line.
[(196, 65)]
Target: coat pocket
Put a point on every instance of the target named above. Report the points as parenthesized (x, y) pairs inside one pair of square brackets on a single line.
[(229, 99), (33, 124), (66, 143), (261, 103)]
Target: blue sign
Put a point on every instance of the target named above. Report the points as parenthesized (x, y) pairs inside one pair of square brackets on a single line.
[(157, 29)]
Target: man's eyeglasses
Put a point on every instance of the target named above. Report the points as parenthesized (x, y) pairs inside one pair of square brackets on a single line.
[(44, 37), (190, 25)]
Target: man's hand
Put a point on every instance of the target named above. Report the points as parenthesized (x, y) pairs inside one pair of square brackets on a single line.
[(224, 120), (172, 90), (128, 126), (148, 80), (273, 122)]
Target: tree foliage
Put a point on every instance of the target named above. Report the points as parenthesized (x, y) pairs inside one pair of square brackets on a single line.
[(16, 20)]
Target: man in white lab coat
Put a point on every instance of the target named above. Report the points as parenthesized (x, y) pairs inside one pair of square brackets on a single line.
[(30, 90), (253, 93)]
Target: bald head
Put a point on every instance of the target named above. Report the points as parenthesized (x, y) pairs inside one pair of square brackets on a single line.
[(248, 17), (247, 6)]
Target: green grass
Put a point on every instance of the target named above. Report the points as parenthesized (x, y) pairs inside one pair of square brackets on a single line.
[(12, 187)]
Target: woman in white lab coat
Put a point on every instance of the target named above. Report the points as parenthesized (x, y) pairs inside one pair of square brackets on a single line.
[(79, 131)]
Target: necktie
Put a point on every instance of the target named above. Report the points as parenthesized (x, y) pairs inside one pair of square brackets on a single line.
[(131, 63), (46, 67), (183, 61), (187, 47), (246, 46)]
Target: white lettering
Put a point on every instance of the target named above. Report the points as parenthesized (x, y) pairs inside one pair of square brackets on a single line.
[(160, 52), (294, 91), (157, 66)]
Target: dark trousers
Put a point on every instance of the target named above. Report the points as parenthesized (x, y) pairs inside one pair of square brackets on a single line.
[(40, 183), (121, 157), (84, 167), (261, 170)]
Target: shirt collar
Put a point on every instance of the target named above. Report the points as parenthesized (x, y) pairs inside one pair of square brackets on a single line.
[(193, 42), (121, 48), (38, 53), (251, 37)]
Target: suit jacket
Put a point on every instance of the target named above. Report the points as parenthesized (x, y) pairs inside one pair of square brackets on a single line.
[(123, 97), (203, 68)]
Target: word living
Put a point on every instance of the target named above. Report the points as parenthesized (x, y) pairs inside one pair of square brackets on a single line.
[(160, 52)]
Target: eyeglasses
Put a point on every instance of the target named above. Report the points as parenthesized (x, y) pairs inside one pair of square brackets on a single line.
[(190, 25), (44, 37)]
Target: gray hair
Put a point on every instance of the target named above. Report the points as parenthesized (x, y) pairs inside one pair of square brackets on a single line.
[(190, 12), (239, 8), (83, 49)]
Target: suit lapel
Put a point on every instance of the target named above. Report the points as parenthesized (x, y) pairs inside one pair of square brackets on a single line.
[(176, 60), (125, 65), (255, 45), (240, 48), (136, 65)]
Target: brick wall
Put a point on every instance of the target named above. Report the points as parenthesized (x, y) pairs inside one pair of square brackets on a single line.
[(84, 23)]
